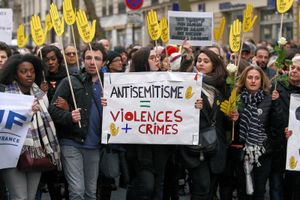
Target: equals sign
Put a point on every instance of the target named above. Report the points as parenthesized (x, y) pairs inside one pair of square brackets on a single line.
[(144, 104)]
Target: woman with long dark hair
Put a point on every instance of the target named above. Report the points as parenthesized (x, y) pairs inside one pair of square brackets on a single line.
[(22, 75)]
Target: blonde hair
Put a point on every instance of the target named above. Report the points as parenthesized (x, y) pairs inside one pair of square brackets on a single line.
[(265, 82)]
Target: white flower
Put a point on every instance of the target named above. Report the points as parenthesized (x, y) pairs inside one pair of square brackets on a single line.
[(282, 41), (231, 68)]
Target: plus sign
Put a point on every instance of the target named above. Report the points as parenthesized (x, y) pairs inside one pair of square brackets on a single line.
[(126, 128)]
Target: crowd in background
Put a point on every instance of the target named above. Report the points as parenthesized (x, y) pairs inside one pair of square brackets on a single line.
[(155, 172)]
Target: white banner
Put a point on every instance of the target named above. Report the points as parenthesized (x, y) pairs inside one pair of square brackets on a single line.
[(151, 108), (15, 116), (6, 18), (196, 27), (293, 146)]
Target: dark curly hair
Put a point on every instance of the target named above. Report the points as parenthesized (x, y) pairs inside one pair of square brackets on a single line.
[(139, 62), (5, 47), (11, 66), (95, 47)]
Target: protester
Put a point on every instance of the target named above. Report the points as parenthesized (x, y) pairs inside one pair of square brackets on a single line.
[(80, 145), (22, 75), (71, 59), (291, 178), (254, 132), (114, 62), (105, 43), (203, 171), (261, 59), (5, 53)]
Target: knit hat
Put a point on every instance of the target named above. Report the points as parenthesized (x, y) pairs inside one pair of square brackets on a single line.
[(111, 56), (175, 60), (170, 49)]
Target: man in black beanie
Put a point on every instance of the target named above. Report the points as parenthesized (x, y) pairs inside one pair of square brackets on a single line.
[(114, 62)]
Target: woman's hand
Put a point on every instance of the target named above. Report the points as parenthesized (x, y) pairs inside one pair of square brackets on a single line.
[(103, 101), (44, 86), (61, 103), (35, 106), (275, 95), (76, 117), (287, 133), (234, 116), (199, 103)]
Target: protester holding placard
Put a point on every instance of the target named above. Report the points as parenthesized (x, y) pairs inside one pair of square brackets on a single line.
[(80, 145), (292, 178), (203, 170), (22, 75), (254, 132)]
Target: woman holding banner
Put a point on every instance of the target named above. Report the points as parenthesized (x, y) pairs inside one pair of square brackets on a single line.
[(203, 170), (22, 75)]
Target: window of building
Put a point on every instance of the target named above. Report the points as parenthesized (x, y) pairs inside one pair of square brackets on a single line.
[(121, 37), (154, 1), (270, 25), (122, 7), (104, 13), (110, 8)]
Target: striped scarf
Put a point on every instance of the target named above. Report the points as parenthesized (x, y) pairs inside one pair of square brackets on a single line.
[(41, 137), (251, 129)]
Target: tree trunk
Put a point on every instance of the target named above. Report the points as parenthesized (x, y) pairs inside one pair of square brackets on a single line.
[(91, 14)]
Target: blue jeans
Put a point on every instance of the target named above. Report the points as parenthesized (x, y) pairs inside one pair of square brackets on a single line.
[(81, 168)]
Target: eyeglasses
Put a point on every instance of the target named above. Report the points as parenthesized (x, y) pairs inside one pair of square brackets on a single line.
[(90, 58), (71, 53)]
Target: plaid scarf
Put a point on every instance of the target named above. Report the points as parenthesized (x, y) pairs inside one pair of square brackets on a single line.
[(41, 137), (251, 129)]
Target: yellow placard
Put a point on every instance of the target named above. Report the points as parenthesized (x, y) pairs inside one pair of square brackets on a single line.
[(218, 31), (229, 106), (57, 22), (248, 19), (37, 33), (69, 14), (48, 23), (284, 5), (153, 26), (86, 31), (21, 37), (164, 30), (235, 36)]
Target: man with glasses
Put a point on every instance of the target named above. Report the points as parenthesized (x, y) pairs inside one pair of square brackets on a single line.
[(80, 145), (72, 59)]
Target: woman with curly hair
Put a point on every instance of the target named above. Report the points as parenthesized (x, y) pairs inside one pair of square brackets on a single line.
[(22, 75)]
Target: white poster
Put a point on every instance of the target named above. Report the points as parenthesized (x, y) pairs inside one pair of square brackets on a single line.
[(15, 116), (293, 146), (151, 108), (196, 27), (6, 19)]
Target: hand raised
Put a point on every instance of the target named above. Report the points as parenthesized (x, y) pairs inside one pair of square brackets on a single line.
[(48, 22), (69, 14), (37, 32), (57, 22), (153, 26), (248, 19), (86, 31), (284, 5), (235, 36), (218, 31), (164, 30), (21, 37)]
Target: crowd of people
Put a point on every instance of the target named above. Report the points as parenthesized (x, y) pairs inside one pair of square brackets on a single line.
[(155, 172)]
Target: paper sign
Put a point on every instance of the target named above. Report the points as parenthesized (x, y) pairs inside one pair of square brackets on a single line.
[(248, 19), (196, 27), (235, 36), (37, 33), (293, 145), (15, 118), (21, 37), (218, 31), (164, 30), (153, 26), (6, 25), (86, 32), (151, 108), (69, 14), (284, 5)]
